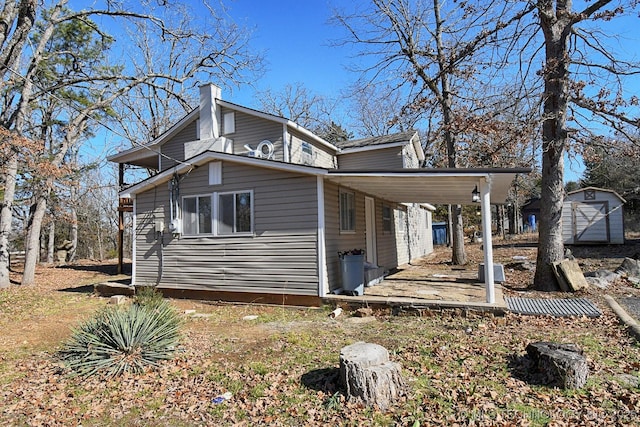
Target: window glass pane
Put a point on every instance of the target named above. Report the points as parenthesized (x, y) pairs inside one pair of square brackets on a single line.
[(226, 217), (386, 218), (347, 212), (204, 214), (189, 215), (243, 212)]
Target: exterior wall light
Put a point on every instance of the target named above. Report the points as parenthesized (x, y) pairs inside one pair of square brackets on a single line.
[(475, 195)]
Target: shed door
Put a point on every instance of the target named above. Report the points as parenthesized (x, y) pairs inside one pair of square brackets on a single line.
[(590, 221)]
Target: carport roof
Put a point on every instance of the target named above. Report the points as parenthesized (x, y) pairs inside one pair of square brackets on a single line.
[(434, 186)]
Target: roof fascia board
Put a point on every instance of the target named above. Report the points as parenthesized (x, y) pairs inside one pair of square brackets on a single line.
[(597, 189), (481, 172), (208, 156), (373, 147), (152, 145)]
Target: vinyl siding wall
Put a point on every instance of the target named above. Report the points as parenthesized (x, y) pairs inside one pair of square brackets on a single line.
[(174, 148), (392, 247), (323, 157), (614, 217), (281, 256), (253, 130), (386, 158)]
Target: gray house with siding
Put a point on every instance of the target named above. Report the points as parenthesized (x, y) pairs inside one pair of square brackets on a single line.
[(249, 206)]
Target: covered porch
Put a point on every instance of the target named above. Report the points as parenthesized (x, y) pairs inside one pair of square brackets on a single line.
[(459, 286), (429, 284)]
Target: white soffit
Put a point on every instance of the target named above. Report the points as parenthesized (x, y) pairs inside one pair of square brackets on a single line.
[(418, 186)]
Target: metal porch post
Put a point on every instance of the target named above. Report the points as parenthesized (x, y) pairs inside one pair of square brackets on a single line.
[(485, 204)]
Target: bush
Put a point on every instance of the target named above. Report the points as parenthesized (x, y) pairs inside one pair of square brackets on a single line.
[(119, 340)]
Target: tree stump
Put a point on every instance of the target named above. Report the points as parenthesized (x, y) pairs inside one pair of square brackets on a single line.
[(369, 377), (562, 365)]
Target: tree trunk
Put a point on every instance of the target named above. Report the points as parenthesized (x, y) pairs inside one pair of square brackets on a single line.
[(6, 216), (556, 27), (458, 257), (500, 220), (51, 242), (74, 229), (32, 244), (369, 377)]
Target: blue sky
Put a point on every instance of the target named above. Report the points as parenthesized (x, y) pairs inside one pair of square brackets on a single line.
[(294, 36)]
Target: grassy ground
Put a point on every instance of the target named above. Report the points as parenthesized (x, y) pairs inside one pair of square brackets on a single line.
[(281, 368)]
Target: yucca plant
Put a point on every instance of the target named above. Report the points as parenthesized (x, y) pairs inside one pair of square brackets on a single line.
[(119, 340)]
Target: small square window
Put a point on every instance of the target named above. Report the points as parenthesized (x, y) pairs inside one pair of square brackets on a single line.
[(347, 211), (589, 194)]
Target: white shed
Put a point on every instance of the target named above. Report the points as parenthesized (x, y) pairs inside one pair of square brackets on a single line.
[(592, 215)]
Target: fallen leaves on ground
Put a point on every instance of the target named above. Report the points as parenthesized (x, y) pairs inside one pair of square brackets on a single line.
[(463, 369)]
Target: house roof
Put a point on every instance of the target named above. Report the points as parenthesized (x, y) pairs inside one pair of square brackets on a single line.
[(376, 140), (147, 155), (597, 189), (431, 186), (382, 142)]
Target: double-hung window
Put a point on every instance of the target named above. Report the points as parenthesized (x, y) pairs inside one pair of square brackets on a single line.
[(196, 215), (347, 211), (387, 219), (235, 212)]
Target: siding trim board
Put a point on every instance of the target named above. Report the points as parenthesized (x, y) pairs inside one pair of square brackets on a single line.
[(323, 281), (134, 238)]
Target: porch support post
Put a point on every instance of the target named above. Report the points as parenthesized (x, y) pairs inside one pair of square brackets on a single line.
[(485, 203), (323, 280)]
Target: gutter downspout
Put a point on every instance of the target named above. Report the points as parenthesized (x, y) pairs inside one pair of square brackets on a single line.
[(485, 202)]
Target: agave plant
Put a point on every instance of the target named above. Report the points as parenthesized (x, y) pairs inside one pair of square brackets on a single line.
[(119, 340)]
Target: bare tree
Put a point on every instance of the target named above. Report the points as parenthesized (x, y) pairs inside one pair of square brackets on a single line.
[(99, 81), (432, 53), (377, 110), (571, 71), (299, 105)]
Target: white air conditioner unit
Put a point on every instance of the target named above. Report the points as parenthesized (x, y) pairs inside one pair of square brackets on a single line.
[(175, 226)]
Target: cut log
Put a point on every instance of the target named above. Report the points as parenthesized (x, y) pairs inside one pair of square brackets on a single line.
[(369, 377), (562, 365)]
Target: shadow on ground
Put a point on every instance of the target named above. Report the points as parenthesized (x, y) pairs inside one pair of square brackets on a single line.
[(326, 380)]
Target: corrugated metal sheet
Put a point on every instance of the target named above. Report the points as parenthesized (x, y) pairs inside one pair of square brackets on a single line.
[(559, 307)]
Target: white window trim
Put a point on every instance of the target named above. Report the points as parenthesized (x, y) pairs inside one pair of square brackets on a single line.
[(341, 192)]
